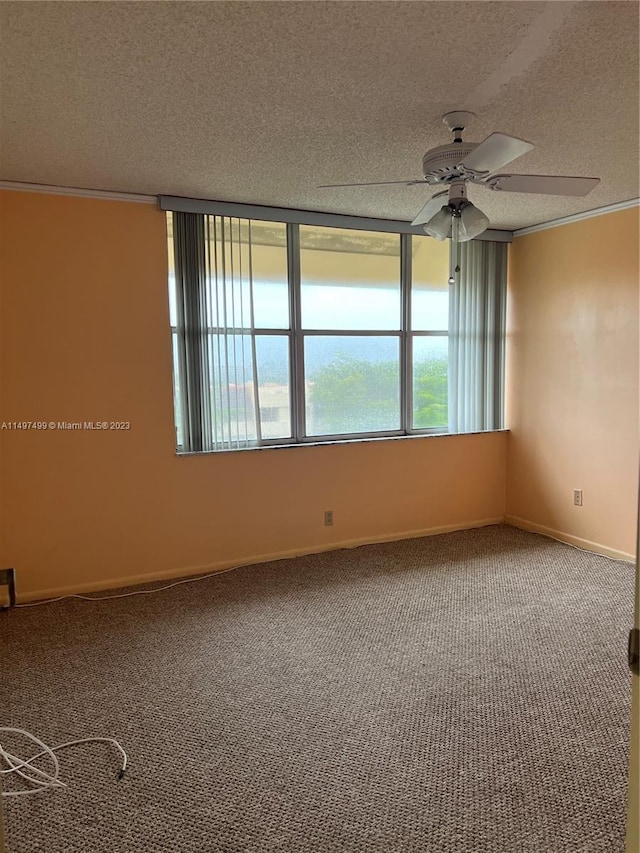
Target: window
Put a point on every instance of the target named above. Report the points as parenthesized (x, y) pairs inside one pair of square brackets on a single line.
[(288, 333), (350, 330)]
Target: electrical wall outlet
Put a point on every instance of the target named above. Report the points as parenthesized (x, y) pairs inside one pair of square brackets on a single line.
[(577, 497), (328, 518)]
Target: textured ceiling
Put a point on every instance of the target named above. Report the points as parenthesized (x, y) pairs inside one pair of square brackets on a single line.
[(262, 101)]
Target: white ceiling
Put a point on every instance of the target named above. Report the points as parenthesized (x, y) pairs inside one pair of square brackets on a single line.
[(262, 101)]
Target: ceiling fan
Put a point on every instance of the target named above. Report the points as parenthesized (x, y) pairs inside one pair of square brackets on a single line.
[(459, 163)]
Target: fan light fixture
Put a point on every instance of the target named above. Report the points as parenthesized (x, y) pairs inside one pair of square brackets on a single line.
[(459, 224), (459, 220)]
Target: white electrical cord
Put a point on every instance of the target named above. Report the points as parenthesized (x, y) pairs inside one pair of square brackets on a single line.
[(129, 594), (39, 778)]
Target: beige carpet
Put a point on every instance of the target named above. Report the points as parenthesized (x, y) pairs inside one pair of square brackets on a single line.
[(460, 693)]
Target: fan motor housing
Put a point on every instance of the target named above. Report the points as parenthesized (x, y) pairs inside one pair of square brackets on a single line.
[(440, 164)]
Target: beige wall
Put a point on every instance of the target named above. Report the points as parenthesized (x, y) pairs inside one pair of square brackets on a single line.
[(572, 401), (85, 338)]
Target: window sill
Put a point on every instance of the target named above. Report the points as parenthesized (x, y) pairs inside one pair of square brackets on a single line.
[(331, 443)]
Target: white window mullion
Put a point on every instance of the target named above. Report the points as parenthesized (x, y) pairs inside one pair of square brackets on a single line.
[(296, 350), (406, 371)]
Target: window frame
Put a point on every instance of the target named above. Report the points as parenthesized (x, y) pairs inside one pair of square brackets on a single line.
[(296, 334)]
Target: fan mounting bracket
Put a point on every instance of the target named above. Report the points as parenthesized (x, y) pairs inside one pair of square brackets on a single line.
[(457, 120)]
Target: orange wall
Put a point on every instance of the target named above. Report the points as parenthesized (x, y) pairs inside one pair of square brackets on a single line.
[(85, 338), (572, 404)]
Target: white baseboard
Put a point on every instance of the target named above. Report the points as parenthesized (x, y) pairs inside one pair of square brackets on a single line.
[(569, 539), (225, 565)]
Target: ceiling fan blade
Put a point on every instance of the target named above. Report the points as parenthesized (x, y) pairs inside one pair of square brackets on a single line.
[(410, 183), (547, 184), (495, 152), (431, 208)]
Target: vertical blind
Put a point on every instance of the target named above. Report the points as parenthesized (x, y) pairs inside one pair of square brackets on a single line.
[(215, 322), (477, 322)]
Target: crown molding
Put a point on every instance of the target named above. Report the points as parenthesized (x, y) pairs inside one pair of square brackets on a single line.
[(78, 192), (578, 217), (492, 234)]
